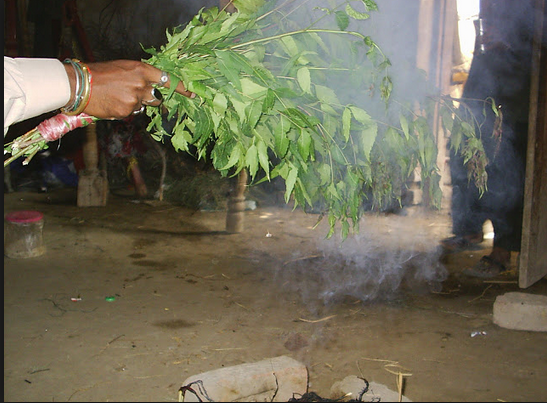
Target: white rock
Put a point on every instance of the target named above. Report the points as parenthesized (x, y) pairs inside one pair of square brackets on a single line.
[(355, 385)]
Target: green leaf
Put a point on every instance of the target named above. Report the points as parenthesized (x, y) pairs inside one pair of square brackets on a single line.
[(299, 119), (290, 46), (361, 115), (304, 79), (285, 93), (404, 125), (356, 14), (192, 72), (269, 101), (305, 145), (344, 231), (181, 138), (200, 89), (370, 5), (324, 174), (332, 225), (333, 192), (203, 128), (342, 20), (235, 156), (240, 108), (368, 137), (456, 138), (262, 151), (346, 123), (251, 160), (467, 129), (228, 67), (386, 87), (251, 89), (302, 191), (220, 103), (290, 181), (248, 6), (259, 73), (326, 95), (280, 134), (447, 119), (255, 112), (281, 170), (329, 110)]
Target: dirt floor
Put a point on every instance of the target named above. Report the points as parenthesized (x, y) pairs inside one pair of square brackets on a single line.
[(190, 298)]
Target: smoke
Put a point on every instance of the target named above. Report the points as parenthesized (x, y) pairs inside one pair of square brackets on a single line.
[(361, 267), (364, 267)]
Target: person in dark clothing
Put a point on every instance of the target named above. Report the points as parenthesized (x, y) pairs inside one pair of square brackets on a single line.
[(500, 69)]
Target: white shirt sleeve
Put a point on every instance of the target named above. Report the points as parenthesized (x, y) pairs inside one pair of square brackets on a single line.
[(33, 87)]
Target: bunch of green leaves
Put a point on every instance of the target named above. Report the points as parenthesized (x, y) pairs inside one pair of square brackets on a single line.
[(267, 101), (465, 127)]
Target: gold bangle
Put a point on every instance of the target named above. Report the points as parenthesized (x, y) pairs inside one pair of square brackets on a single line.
[(86, 95)]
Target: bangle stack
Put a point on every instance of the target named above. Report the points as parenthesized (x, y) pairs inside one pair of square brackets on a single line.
[(82, 92)]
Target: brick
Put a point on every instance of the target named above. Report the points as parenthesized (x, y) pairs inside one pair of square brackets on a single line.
[(352, 386), (521, 311), (271, 380)]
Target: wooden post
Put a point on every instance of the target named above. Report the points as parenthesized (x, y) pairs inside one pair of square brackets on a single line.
[(236, 205), (135, 175), (92, 182), (437, 26), (533, 255)]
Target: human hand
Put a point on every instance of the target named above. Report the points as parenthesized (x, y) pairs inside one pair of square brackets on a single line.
[(122, 87)]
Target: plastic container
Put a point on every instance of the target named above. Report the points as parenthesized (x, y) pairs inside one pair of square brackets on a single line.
[(23, 234)]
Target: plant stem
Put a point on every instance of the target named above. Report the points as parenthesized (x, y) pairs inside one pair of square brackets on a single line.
[(14, 157), (303, 31)]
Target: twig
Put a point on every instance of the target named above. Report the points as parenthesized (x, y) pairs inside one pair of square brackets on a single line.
[(482, 295), (380, 360), (359, 368), (457, 313), (108, 344), (242, 306), (318, 320), (115, 338), (38, 370), (500, 282), (400, 378), (446, 292)]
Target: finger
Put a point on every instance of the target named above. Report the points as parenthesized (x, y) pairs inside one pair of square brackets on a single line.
[(163, 79), (181, 89)]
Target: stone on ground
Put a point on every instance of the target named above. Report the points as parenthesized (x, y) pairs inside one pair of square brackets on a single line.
[(376, 391), (271, 380), (521, 311)]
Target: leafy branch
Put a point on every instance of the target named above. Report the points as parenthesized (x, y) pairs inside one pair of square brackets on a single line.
[(266, 103), (312, 105)]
